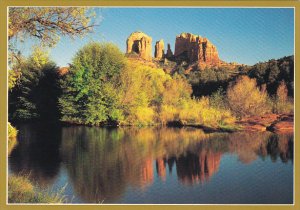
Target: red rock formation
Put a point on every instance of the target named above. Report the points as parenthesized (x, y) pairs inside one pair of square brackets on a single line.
[(63, 70), (141, 44), (194, 48), (169, 55), (159, 49)]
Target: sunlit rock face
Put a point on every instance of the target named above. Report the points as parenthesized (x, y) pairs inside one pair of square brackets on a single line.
[(159, 49), (194, 48), (141, 44)]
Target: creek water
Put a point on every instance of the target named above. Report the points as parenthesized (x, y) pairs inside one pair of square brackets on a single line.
[(156, 165)]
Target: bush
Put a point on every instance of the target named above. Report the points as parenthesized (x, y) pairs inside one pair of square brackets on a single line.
[(21, 190), (197, 112), (245, 98), (218, 99)]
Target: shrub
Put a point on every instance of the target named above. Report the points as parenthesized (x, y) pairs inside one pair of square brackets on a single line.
[(21, 190), (218, 99), (245, 98), (197, 112)]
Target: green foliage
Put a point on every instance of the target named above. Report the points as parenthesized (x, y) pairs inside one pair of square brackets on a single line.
[(90, 93), (209, 75), (13, 77), (274, 71), (218, 99), (35, 94), (245, 98), (102, 87), (21, 190), (141, 91), (209, 80)]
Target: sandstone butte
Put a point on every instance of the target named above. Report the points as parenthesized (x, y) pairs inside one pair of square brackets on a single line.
[(141, 44), (190, 48), (194, 48)]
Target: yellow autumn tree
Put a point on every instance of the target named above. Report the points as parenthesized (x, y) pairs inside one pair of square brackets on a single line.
[(282, 102), (246, 99)]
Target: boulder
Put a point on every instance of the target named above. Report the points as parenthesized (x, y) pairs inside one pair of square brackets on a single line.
[(284, 124), (141, 44)]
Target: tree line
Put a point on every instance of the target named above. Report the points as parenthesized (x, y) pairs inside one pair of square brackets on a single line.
[(103, 87)]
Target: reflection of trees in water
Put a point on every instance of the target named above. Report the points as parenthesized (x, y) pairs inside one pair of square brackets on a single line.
[(102, 163), (251, 145), (281, 146), (37, 153)]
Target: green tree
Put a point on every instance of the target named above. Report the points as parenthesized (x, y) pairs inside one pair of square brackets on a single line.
[(35, 94), (272, 72), (89, 90)]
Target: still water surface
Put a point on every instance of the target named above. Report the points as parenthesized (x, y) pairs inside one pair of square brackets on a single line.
[(156, 165)]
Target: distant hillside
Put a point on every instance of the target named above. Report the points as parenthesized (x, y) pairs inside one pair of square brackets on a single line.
[(269, 73)]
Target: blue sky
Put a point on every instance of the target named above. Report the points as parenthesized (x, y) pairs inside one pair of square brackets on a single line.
[(243, 35)]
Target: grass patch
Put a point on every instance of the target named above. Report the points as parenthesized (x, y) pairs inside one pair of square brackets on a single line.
[(229, 128), (21, 190)]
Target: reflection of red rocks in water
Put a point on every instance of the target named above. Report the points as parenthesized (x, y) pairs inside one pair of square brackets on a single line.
[(147, 172), (210, 162), (161, 168), (197, 168)]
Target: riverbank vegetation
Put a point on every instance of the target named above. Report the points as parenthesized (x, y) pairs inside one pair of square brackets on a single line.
[(103, 87), (21, 190)]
